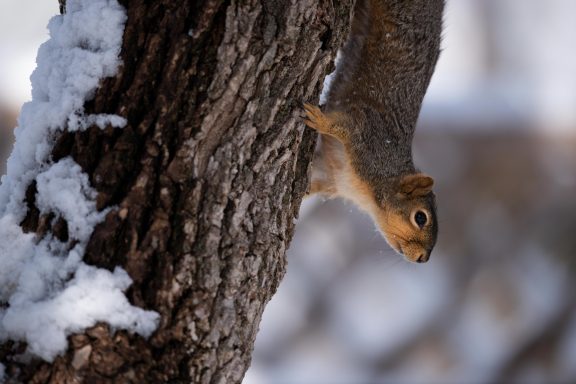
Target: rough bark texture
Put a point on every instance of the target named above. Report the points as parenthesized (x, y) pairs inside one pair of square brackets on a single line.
[(207, 176)]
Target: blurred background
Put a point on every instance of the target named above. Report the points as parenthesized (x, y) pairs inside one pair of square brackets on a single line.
[(497, 301)]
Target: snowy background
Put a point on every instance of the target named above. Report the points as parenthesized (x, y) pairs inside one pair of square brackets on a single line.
[(497, 301)]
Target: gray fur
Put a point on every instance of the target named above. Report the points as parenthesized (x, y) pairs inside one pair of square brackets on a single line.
[(381, 80)]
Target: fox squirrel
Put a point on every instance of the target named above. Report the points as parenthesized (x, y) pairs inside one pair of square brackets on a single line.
[(369, 119)]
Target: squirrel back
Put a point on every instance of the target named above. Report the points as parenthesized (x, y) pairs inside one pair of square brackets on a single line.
[(370, 116)]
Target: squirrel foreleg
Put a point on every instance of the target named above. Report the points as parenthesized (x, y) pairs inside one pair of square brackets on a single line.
[(326, 124)]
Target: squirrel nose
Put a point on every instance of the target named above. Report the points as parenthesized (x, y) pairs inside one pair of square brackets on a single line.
[(423, 257)]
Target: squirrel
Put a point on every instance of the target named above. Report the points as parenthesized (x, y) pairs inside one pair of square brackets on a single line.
[(368, 121)]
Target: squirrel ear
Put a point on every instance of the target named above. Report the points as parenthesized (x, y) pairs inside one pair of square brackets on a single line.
[(415, 185)]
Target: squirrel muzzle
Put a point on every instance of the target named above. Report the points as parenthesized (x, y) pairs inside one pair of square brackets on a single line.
[(408, 218)]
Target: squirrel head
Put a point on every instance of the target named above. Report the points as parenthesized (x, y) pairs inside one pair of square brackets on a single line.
[(408, 217)]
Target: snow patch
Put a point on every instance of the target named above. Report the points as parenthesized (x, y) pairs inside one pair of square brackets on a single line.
[(49, 290), (83, 48), (92, 295), (328, 81), (46, 291), (66, 190)]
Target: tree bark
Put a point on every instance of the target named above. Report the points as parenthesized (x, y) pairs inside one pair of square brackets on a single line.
[(206, 180)]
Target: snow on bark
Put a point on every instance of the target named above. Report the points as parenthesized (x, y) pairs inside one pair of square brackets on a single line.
[(46, 291)]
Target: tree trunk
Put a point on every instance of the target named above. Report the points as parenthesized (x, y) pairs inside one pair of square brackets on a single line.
[(207, 178)]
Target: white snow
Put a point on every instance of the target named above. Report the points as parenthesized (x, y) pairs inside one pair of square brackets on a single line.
[(328, 80), (83, 48), (50, 293), (93, 294), (65, 189)]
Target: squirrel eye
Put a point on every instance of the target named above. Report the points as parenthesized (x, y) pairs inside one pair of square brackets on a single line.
[(420, 218)]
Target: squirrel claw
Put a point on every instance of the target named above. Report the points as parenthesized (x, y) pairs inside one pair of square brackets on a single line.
[(315, 118), (325, 124)]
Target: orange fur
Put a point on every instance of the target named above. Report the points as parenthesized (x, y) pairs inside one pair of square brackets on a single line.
[(326, 124), (371, 112), (416, 185), (370, 117), (334, 176), (402, 235)]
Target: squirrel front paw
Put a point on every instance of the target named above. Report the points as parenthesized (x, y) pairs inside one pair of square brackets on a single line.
[(323, 123), (316, 118)]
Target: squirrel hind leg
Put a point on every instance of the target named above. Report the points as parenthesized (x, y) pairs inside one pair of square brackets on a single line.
[(326, 124), (321, 186), (321, 181)]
